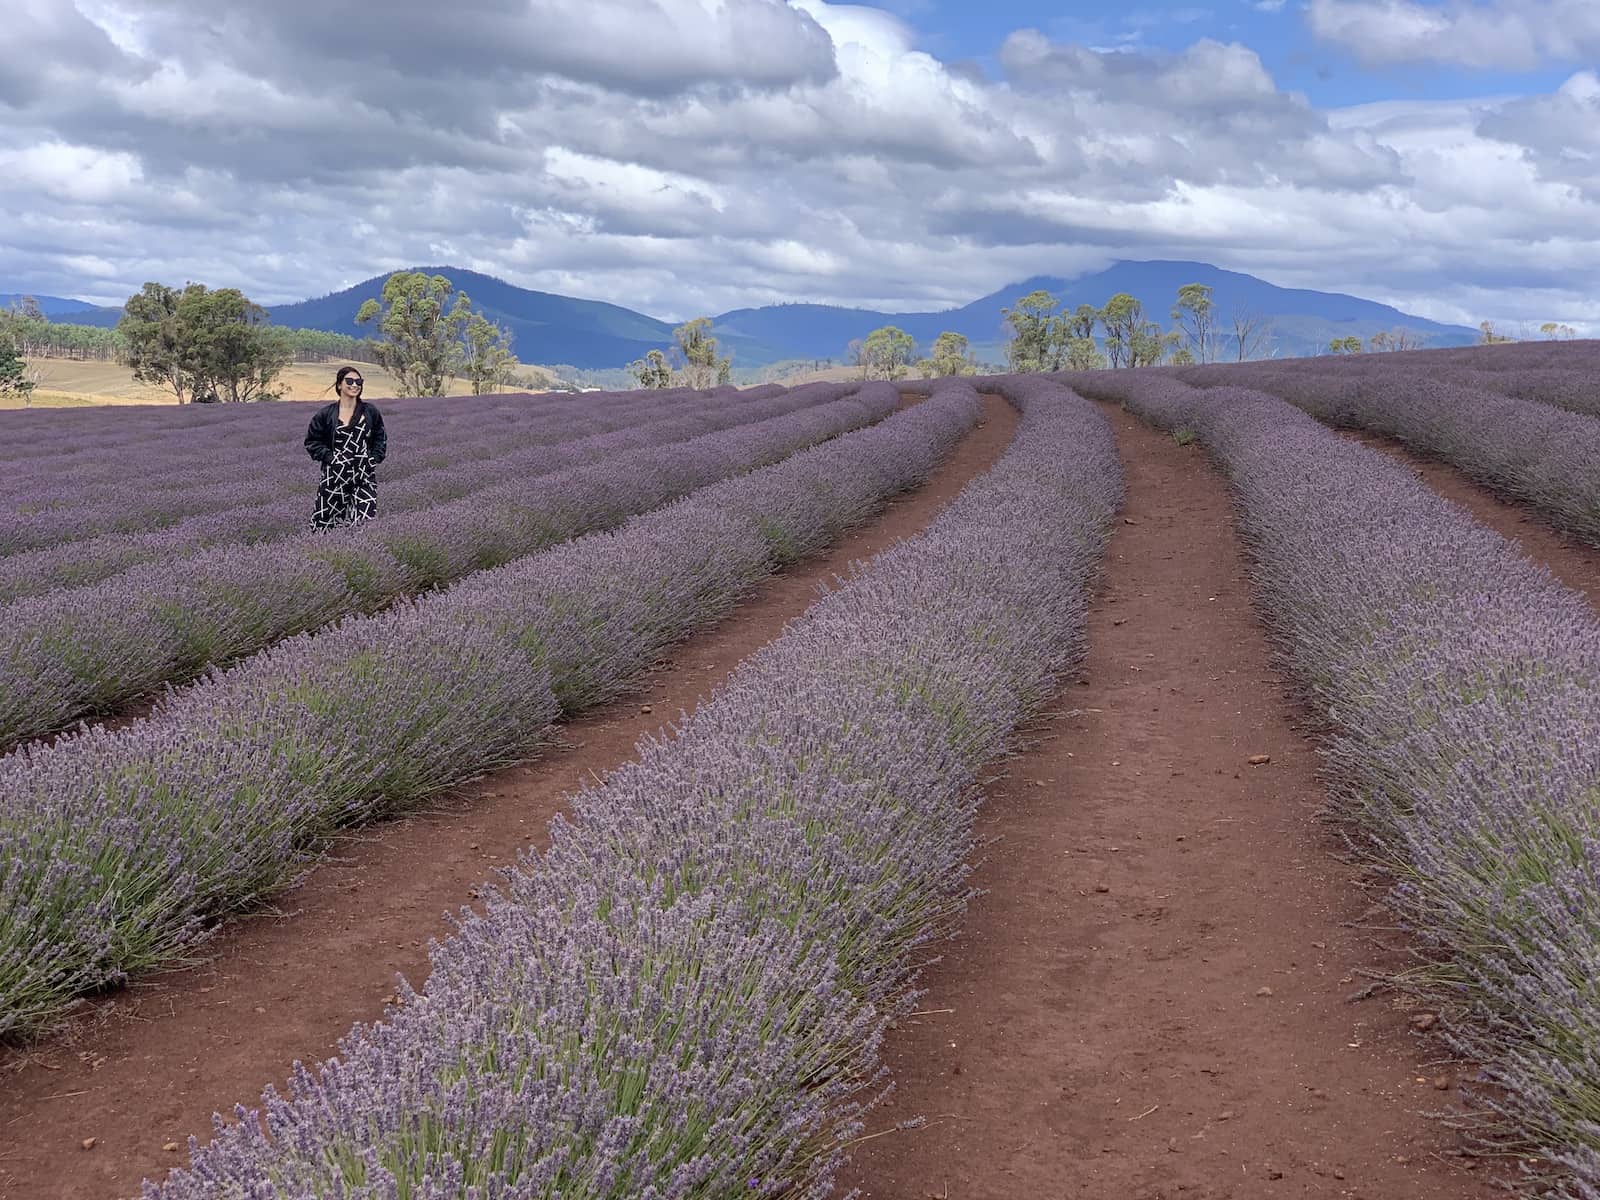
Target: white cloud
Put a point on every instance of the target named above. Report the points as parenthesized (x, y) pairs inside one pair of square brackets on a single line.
[(713, 155), (1512, 34)]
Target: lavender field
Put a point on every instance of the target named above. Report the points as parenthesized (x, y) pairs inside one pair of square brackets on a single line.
[(689, 990), (1459, 681), (71, 652)]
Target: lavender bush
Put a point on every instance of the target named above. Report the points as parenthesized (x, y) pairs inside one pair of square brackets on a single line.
[(1462, 684), (129, 845), (1526, 450), (685, 995), (66, 655), (58, 539)]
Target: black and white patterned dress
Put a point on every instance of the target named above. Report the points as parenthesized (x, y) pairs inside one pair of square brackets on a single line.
[(349, 491)]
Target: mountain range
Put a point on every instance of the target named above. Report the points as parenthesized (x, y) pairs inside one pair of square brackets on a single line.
[(591, 334)]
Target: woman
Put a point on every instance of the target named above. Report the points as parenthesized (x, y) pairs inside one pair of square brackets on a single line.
[(347, 438)]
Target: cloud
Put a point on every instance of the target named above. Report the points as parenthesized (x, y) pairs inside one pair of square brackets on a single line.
[(699, 156), (1508, 34), (1558, 134)]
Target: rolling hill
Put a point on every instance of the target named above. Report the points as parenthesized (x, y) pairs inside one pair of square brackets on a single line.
[(549, 328), (1303, 321)]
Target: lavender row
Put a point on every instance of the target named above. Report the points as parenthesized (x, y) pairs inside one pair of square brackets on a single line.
[(81, 438), (123, 847), (167, 484), (54, 449), (1462, 683), (443, 431), (1561, 374), (686, 994), (27, 435), (73, 439), (521, 453), (1528, 451), (70, 654), (64, 537)]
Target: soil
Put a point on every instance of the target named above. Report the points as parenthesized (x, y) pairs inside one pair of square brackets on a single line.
[(1154, 998), (145, 1068), (1572, 561)]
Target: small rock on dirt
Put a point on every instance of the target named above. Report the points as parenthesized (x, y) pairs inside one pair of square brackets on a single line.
[(1442, 1082), (1259, 760), (1424, 1021), (170, 1147), (1100, 887), (88, 1143), (1266, 991)]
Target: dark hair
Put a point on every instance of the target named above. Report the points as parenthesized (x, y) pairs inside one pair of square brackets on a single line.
[(338, 379)]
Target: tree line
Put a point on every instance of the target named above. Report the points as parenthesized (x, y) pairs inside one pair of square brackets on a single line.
[(1041, 337), (207, 345), (217, 344)]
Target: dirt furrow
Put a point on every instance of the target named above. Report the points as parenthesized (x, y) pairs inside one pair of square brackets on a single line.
[(1153, 999), (1573, 562), (148, 1067)]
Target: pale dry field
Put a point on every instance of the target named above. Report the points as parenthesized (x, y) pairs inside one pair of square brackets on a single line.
[(68, 383)]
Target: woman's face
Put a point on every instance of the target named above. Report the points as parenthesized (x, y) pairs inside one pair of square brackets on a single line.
[(350, 389)]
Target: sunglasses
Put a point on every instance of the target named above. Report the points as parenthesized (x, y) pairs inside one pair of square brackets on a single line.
[(353, 382)]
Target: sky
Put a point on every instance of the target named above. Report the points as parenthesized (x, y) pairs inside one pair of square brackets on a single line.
[(685, 157)]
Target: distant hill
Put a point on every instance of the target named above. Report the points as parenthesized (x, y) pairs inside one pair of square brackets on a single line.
[(1303, 321), (548, 328), (50, 306), (544, 327)]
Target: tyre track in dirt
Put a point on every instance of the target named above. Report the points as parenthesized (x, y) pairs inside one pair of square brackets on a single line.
[(1153, 999), (147, 1067), (1572, 561)]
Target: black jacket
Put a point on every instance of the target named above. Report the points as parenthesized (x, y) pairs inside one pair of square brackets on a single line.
[(319, 434)]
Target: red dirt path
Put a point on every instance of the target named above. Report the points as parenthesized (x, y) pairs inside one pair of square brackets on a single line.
[(1151, 1002), (1573, 562), (152, 1064)]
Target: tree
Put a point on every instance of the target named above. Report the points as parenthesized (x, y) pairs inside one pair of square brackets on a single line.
[(950, 356), (1194, 313), (1035, 343), (1252, 333), (420, 340), (1078, 351), (886, 353), (1147, 345), (1554, 330), (1345, 345), (701, 366), (15, 379), (200, 342), (652, 370), (227, 346), (1081, 354), (1122, 318), (149, 328), (1487, 335), (486, 358)]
